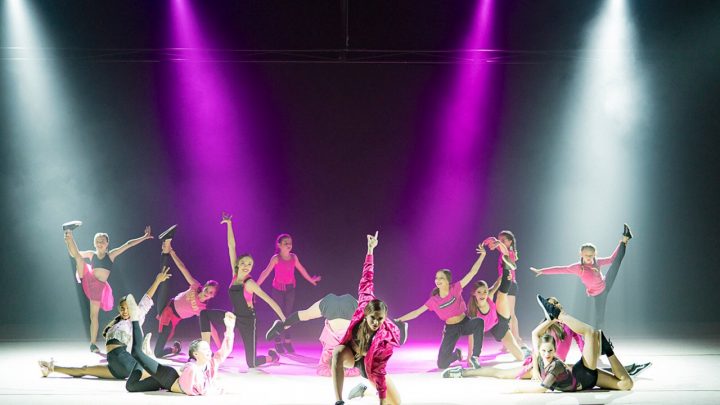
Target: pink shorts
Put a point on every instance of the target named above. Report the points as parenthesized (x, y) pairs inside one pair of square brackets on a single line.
[(96, 290), (329, 339)]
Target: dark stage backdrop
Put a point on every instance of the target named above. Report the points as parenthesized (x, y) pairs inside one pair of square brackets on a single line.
[(330, 152)]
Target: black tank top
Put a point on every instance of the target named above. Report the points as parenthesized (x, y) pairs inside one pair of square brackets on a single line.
[(237, 297), (104, 263)]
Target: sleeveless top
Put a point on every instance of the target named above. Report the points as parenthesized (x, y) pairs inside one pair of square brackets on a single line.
[(241, 299), (104, 263)]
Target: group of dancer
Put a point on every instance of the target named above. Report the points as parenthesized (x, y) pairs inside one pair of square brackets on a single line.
[(357, 338)]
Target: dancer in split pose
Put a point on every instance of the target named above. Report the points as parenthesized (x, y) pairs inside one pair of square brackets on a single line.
[(197, 375), (94, 276), (564, 337), (369, 341), (588, 269), (284, 263), (118, 340), (506, 283), (584, 375), (185, 305), (495, 316), (242, 291), (447, 302)]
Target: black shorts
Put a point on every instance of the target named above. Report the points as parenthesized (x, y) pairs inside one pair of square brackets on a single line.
[(121, 363), (584, 376), (360, 365), (513, 289), (500, 329)]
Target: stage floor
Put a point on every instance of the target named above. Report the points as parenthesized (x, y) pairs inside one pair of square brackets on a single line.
[(683, 371)]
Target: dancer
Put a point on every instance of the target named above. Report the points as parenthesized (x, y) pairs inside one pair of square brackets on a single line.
[(506, 283), (185, 305), (584, 375), (447, 302), (588, 269), (118, 337), (563, 335), (242, 291), (369, 341), (495, 316), (197, 375), (283, 286), (94, 276)]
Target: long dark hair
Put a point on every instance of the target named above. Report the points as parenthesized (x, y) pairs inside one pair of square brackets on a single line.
[(115, 320), (448, 276), (473, 308), (363, 335), (513, 242)]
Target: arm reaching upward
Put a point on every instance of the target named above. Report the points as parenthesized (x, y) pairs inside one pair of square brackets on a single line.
[(475, 267), (232, 253), (181, 266), (132, 242), (366, 288), (162, 276)]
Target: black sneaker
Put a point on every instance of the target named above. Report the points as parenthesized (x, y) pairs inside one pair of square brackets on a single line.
[(279, 347), (550, 310), (273, 356), (94, 348), (403, 326), (474, 362), (606, 346), (357, 392), (168, 234), (639, 369), (626, 231), (275, 330), (289, 347), (69, 226)]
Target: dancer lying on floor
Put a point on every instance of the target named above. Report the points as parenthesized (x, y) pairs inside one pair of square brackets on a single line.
[(195, 378), (564, 337), (118, 339)]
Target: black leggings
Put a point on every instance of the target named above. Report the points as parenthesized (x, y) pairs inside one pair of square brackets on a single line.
[(286, 301), (82, 299), (161, 377), (452, 333), (245, 323), (599, 302), (160, 349)]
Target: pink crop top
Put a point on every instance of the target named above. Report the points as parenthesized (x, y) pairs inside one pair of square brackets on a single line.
[(187, 303), (490, 318), (284, 273), (449, 306)]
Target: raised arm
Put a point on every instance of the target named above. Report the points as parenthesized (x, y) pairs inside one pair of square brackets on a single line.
[(254, 288), (537, 333), (132, 242), (413, 314), (604, 261), (162, 276), (366, 287), (181, 266), (232, 253), (311, 279), (265, 273), (475, 267)]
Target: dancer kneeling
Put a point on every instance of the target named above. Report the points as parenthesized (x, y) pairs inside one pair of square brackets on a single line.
[(195, 378), (369, 341), (584, 375)]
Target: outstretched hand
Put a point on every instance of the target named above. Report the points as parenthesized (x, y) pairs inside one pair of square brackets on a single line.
[(480, 250), (163, 275), (229, 320), (372, 241), (491, 242), (148, 233), (314, 280), (226, 218), (537, 272)]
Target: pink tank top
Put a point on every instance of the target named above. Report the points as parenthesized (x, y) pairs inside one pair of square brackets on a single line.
[(187, 303), (449, 306), (284, 273), (490, 318)]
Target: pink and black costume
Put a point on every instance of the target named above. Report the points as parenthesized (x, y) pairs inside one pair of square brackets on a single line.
[(447, 307), (283, 288), (372, 365), (506, 269), (193, 380), (494, 322), (563, 343), (597, 286), (94, 289), (244, 311), (558, 376), (185, 305)]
